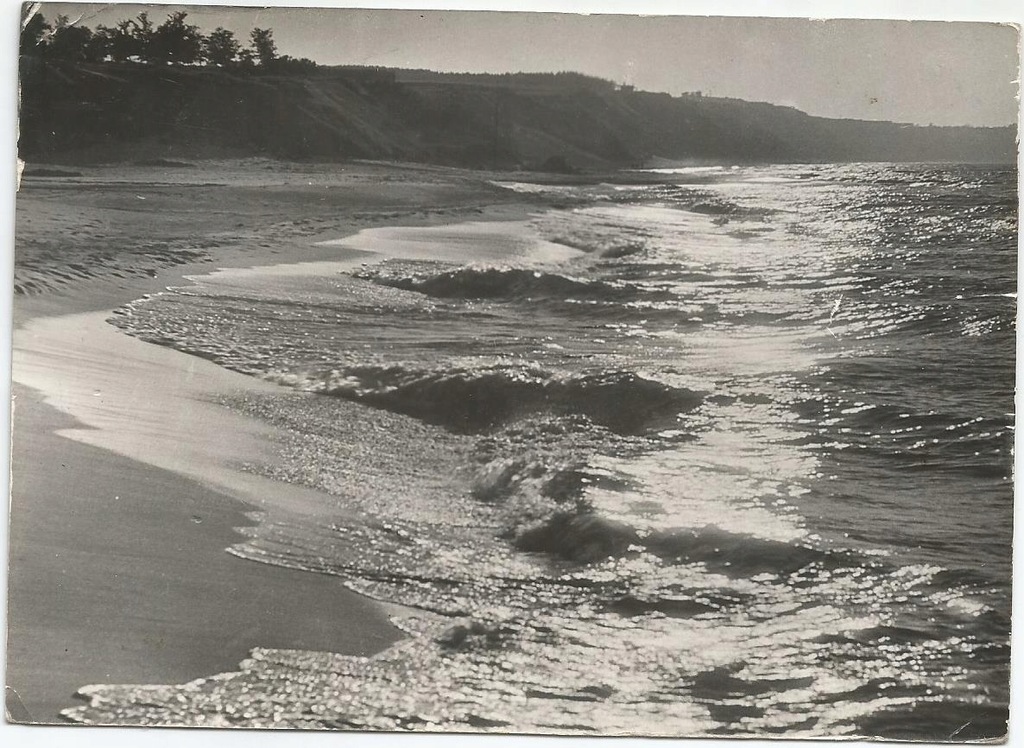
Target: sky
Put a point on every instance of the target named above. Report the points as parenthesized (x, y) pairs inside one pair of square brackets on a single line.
[(923, 72)]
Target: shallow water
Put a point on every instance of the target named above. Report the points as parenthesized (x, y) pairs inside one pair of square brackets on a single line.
[(730, 458)]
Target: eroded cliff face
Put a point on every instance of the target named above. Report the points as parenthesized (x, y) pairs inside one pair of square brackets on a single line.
[(122, 112)]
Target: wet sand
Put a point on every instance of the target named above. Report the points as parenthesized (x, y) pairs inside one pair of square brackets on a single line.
[(118, 574), (127, 486)]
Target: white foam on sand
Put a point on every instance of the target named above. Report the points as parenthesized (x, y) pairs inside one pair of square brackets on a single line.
[(472, 241), (151, 404)]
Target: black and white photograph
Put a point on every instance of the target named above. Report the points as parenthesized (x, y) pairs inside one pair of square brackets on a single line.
[(512, 372)]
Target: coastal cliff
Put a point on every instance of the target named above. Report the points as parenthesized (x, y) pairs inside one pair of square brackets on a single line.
[(117, 112)]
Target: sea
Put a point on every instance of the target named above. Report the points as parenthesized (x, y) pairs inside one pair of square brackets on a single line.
[(692, 452)]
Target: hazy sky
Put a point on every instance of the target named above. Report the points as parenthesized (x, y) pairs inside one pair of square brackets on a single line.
[(908, 71)]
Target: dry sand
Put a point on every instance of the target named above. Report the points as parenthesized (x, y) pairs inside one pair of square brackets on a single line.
[(126, 487)]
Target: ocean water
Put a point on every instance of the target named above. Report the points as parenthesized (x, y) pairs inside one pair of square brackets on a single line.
[(725, 453)]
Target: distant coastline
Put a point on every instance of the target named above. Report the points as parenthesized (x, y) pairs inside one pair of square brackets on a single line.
[(126, 112)]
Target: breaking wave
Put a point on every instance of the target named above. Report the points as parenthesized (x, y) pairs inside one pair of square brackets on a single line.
[(469, 400), (503, 283)]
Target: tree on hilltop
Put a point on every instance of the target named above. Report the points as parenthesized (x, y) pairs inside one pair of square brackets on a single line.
[(221, 48), (265, 51), (70, 41), (118, 42), (176, 42), (173, 42), (263, 45), (142, 32)]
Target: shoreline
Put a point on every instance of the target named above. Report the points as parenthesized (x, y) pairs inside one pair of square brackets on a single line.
[(95, 595), (125, 454)]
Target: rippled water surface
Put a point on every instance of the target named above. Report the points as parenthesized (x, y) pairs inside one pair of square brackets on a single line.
[(730, 458)]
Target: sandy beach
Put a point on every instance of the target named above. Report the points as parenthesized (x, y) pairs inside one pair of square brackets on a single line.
[(118, 574), (127, 486)]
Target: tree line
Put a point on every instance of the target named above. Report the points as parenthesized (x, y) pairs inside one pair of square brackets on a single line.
[(173, 42)]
